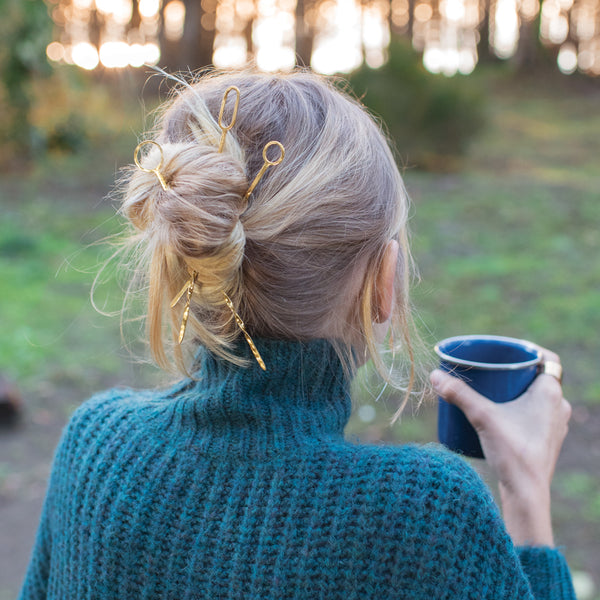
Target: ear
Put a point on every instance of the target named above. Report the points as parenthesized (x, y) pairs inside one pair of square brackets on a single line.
[(384, 283)]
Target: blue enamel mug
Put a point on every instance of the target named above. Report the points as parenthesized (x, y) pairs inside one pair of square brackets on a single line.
[(500, 368)]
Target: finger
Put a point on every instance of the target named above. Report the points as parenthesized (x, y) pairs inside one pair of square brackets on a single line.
[(567, 410), (547, 355), (546, 386), (457, 392), (564, 416)]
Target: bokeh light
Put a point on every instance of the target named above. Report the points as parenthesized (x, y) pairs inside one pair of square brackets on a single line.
[(174, 16), (273, 37), (338, 39), (567, 59), (114, 55), (506, 28), (116, 34), (55, 51), (149, 8), (85, 55)]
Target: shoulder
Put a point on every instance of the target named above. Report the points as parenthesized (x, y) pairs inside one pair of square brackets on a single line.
[(97, 419), (446, 486), (429, 507), (104, 406), (438, 471), (427, 467), (434, 490), (448, 491), (122, 403)]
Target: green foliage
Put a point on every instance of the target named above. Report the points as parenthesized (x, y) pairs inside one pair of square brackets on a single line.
[(84, 112), (431, 118), (584, 488), (47, 108), (52, 234), (45, 277), (25, 31)]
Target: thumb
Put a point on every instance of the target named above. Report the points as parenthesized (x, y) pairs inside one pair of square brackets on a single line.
[(457, 392)]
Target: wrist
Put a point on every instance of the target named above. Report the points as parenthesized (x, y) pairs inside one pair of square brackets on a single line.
[(527, 515)]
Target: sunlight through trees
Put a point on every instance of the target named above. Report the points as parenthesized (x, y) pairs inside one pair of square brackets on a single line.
[(330, 35)]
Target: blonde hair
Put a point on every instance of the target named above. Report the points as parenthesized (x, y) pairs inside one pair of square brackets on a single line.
[(299, 257)]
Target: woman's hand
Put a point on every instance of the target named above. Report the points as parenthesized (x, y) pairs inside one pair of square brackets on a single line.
[(521, 441)]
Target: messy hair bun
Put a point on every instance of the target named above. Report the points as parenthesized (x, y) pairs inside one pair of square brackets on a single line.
[(195, 225), (198, 215)]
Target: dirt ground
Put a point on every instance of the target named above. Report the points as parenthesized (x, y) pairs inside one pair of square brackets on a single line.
[(26, 451)]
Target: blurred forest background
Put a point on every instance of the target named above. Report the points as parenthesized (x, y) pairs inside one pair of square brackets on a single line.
[(494, 109)]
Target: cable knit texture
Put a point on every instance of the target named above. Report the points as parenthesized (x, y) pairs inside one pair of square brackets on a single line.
[(240, 485)]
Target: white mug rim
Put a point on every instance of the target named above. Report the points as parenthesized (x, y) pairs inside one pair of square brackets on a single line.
[(489, 366)]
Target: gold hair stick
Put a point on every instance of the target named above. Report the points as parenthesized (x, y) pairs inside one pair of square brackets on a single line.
[(156, 169), (189, 288), (182, 291), (266, 164), (226, 128), (241, 325)]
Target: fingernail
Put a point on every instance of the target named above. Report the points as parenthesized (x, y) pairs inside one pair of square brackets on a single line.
[(436, 379)]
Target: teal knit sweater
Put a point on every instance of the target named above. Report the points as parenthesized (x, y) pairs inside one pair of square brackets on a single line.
[(240, 485)]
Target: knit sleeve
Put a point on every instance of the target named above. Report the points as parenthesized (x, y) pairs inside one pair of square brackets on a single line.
[(35, 585), (547, 571), (466, 544), (37, 578)]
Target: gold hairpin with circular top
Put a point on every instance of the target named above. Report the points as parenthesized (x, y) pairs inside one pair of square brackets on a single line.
[(241, 325), (155, 170), (266, 164), (226, 128)]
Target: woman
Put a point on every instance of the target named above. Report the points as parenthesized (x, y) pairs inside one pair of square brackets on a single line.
[(269, 228)]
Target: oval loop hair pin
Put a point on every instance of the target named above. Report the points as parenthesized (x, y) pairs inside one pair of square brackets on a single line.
[(226, 128), (155, 170), (266, 164)]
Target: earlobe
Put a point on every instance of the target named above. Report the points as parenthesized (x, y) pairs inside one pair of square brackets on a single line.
[(384, 283)]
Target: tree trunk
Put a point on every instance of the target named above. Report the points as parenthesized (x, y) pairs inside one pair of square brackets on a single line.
[(135, 16), (484, 49), (248, 28), (304, 34), (95, 28), (195, 49), (525, 58)]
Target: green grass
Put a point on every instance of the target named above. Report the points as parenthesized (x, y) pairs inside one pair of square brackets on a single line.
[(514, 258), (511, 246), (53, 223), (46, 270)]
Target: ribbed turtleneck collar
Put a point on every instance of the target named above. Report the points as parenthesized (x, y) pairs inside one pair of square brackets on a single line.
[(301, 398)]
